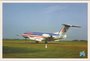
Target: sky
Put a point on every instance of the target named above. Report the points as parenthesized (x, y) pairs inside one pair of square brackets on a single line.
[(19, 18)]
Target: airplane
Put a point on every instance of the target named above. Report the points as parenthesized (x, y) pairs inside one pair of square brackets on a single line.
[(40, 36)]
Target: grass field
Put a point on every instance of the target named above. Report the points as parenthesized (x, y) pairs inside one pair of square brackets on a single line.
[(29, 49)]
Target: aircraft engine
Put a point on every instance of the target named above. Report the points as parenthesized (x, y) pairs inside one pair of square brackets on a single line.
[(46, 35), (64, 36)]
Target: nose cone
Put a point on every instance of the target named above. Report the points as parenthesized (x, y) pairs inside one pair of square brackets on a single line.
[(23, 35)]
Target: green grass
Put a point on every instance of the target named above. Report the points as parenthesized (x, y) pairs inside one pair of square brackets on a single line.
[(29, 49)]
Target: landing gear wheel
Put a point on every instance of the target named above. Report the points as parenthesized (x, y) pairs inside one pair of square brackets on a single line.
[(37, 41)]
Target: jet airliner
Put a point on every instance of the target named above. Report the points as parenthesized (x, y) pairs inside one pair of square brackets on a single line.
[(39, 36)]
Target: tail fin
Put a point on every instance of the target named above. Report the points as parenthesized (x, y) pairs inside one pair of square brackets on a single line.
[(65, 28)]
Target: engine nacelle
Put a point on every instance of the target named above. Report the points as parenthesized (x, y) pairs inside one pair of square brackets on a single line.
[(46, 35), (64, 36)]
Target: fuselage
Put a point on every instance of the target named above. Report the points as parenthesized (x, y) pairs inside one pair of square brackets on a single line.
[(39, 36)]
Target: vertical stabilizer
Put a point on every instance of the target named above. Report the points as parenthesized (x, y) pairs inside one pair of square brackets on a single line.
[(64, 29)]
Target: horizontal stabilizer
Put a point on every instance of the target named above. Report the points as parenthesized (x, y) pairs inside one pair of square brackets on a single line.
[(68, 25)]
